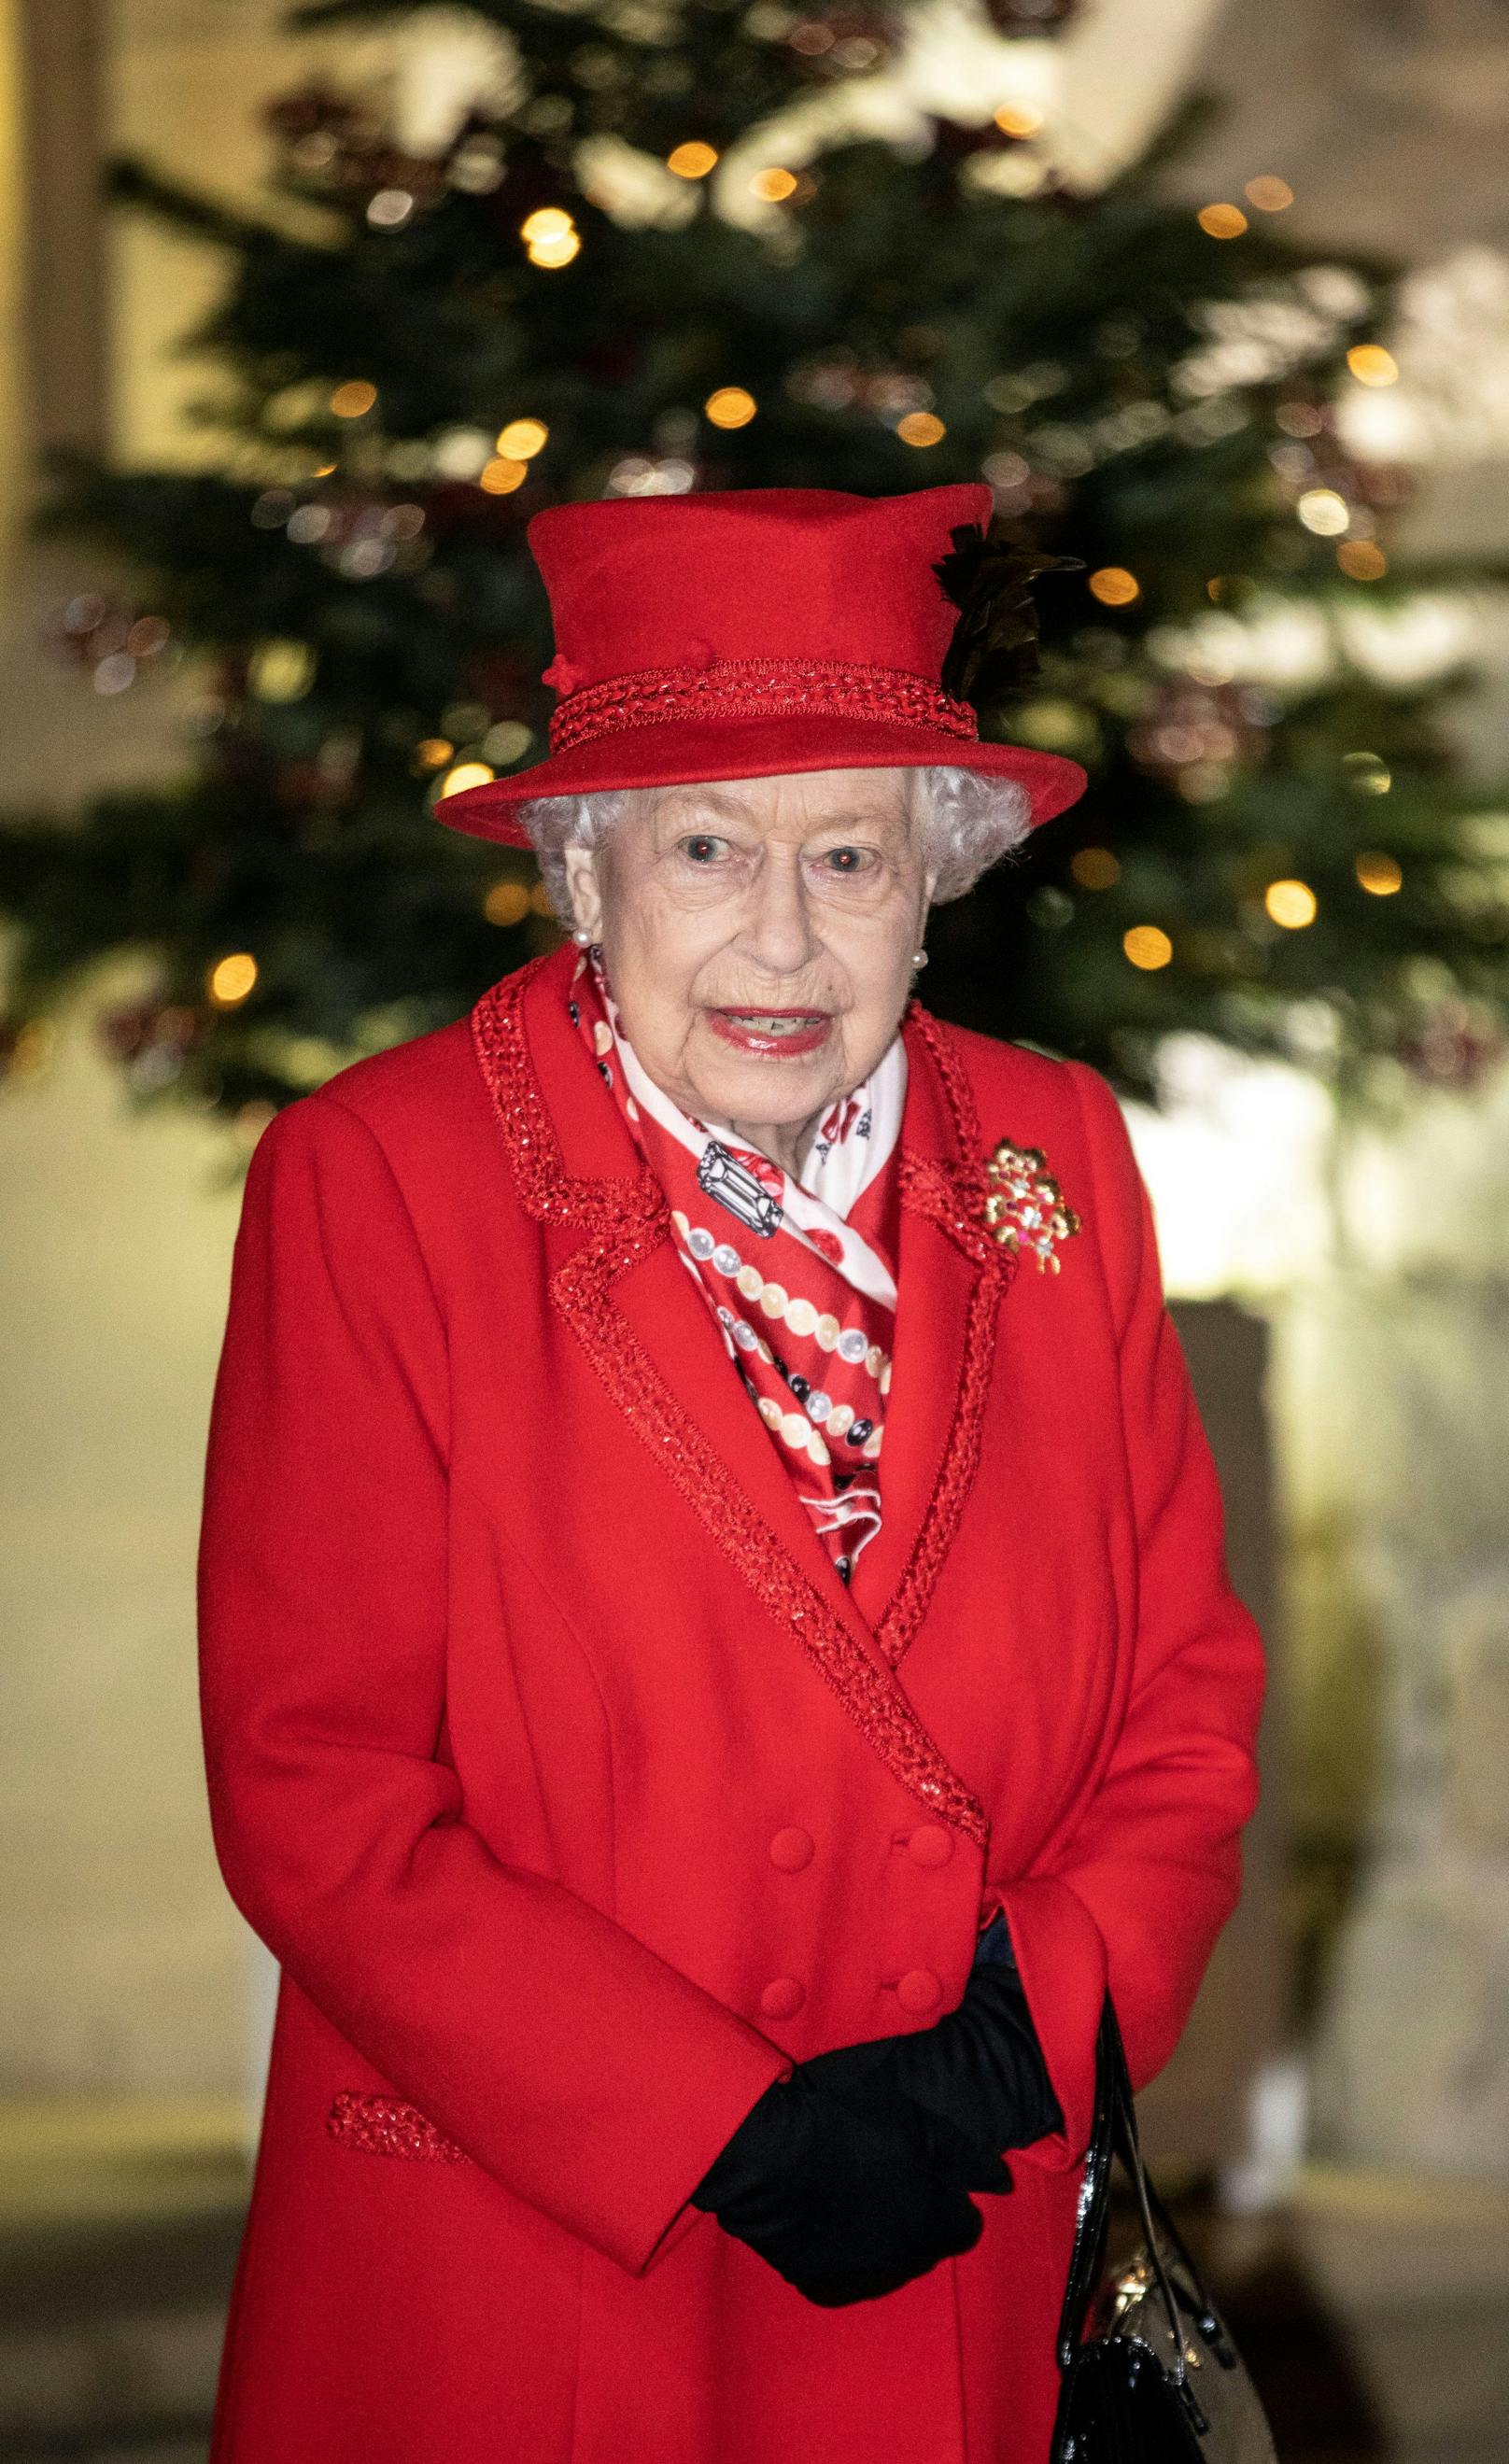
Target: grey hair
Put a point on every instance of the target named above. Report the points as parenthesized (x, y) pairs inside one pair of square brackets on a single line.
[(969, 822)]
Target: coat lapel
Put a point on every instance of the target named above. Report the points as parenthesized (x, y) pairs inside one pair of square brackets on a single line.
[(951, 1282), (649, 1336)]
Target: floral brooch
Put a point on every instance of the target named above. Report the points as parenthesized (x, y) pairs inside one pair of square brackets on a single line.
[(1024, 1206)]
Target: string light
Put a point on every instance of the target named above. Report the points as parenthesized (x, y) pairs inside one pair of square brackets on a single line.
[(1360, 560), (507, 903), (353, 400), (1019, 118), (1291, 904), (774, 186), (1322, 511), (692, 161), (920, 428), (1367, 773), (1269, 193), (501, 476), (1371, 365), (434, 751), (1148, 947), (280, 670), (466, 774), (231, 978), (1379, 873), (1095, 867), (553, 252), (550, 235), (1114, 586), (1222, 220), (730, 406), (521, 439)]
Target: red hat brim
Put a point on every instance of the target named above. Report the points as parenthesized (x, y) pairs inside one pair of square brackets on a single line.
[(683, 753)]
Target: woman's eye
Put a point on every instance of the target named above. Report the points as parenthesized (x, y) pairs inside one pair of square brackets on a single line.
[(848, 860), (702, 847)]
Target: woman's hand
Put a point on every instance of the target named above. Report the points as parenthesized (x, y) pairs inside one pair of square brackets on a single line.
[(979, 2068), (848, 2201)]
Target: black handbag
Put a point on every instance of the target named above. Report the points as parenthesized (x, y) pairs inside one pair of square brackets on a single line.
[(1149, 2373)]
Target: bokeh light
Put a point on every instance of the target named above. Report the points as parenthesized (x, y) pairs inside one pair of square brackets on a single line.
[(1114, 586), (730, 406), (1367, 773), (521, 439), (1147, 946), (1379, 873), (1290, 903), (1372, 365), (692, 161), (547, 223), (506, 903), (920, 428), (552, 253), (354, 399), (1222, 220), (390, 209), (231, 978), (1322, 511)]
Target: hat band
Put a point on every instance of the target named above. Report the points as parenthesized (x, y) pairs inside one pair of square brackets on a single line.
[(757, 689)]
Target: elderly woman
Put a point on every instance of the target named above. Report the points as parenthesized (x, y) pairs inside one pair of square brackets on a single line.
[(713, 1660)]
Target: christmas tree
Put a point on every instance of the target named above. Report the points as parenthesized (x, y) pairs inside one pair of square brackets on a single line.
[(662, 261)]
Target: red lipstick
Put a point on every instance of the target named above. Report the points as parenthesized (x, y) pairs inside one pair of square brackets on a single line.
[(767, 1034)]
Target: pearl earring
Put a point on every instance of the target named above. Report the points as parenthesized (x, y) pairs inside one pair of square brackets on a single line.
[(919, 957), (582, 937)]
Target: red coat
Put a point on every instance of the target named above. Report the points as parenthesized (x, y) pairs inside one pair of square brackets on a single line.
[(575, 1795)]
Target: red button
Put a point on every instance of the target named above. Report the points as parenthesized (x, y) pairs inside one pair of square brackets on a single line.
[(783, 1997), (919, 1990), (930, 1844), (791, 1850)]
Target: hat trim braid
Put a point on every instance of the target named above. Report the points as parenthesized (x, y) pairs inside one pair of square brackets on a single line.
[(757, 689)]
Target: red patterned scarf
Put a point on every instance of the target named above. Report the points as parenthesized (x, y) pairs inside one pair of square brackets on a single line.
[(799, 1274)]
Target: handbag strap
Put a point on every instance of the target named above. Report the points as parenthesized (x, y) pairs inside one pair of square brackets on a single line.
[(1113, 2135), (1093, 2211)]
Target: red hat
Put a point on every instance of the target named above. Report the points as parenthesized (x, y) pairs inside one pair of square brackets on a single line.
[(750, 635)]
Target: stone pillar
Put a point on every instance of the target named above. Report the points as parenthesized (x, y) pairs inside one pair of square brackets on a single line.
[(1394, 1397), (1410, 1381)]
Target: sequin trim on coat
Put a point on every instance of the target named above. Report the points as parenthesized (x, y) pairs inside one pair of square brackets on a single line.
[(949, 1196), (757, 689), (627, 1220), (381, 2125)]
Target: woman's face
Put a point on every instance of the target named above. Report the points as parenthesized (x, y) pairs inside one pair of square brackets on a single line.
[(758, 937)]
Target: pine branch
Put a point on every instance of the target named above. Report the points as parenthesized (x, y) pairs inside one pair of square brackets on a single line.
[(133, 183)]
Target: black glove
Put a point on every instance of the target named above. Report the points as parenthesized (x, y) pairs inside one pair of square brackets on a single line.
[(846, 2203), (980, 2067)]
